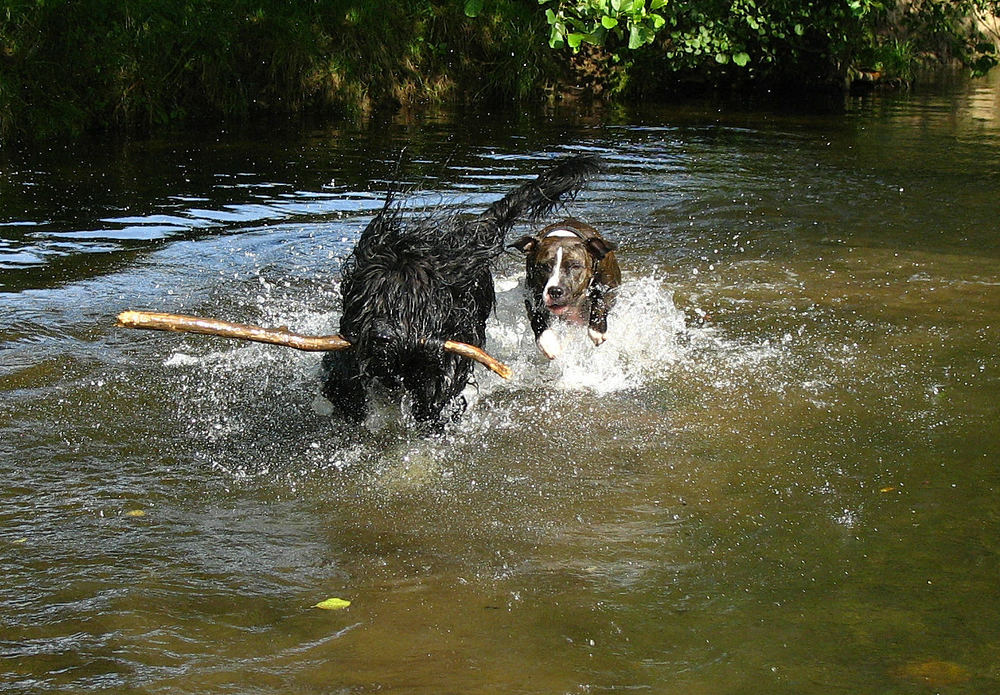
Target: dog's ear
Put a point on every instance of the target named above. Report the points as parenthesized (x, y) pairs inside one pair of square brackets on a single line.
[(600, 247), (525, 244)]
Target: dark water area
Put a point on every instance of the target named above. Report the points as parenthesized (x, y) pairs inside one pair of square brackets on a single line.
[(779, 474)]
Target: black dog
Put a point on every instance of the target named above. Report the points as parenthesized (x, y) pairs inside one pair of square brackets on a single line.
[(410, 285)]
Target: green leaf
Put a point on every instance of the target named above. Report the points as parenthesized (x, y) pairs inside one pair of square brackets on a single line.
[(550, 16), (741, 59), (574, 40), (333, 604), (473, 7), (799, 30), (556, 39), (721, 58), (657, 4), (609, 22), (635, 38)]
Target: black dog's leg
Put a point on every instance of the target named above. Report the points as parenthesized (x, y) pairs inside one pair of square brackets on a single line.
[(342, 386), (433, 417), (436, 387)]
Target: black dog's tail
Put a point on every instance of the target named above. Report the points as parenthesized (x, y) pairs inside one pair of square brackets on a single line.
[(535, 199)]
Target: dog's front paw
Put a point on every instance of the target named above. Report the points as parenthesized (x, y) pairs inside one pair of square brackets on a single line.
[(548, 343), (597, 336)]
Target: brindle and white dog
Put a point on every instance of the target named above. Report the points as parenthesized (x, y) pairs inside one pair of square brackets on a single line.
[(572, 275)]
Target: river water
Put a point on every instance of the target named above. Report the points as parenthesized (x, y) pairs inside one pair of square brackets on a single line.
[(779, 474)]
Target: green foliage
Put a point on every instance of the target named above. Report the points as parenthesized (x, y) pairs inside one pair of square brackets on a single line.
[(67, 66), (74, 65), (751, 35), (891, 56), (809, 41), (947, 30), (603, 22)]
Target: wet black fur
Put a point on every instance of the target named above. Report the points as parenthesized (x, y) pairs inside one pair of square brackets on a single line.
[(410, 284)]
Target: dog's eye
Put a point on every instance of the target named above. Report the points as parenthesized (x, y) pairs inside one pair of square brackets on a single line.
[(576, 266)]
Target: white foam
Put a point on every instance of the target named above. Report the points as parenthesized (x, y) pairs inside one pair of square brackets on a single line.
[(180, 359), (642, 339)]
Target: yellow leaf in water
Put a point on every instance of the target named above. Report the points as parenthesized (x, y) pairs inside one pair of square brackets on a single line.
[(333, 604), (135, 512), (19, 541), (891, 488)]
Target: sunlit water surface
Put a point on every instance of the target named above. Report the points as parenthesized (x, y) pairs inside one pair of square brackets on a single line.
[(778, 475)]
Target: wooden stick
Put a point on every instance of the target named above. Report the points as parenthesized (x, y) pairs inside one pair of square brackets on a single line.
[(281, 336), (195, 324), (479, 355)]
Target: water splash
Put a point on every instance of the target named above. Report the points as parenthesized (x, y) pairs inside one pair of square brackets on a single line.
[(643, 339), (255, 410)]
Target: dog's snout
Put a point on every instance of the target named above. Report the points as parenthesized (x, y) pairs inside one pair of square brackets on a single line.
[(382, 334), (556, 292)]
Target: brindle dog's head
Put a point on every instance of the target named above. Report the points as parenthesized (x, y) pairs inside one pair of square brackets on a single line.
[(572, 274), (562, 261)]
